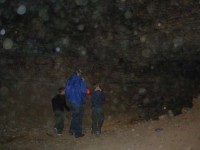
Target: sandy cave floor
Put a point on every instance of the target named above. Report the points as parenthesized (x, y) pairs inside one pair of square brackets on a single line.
[(178, 133)]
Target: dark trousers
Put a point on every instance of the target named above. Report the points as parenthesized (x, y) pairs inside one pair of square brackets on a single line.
[(77, 117), (59, 121), (97, 119)]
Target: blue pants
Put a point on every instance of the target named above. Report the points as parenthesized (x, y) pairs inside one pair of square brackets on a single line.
[(77, 116), (59, 121), (97, 119)]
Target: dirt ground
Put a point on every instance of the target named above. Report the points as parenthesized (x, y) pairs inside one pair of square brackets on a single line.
[(170, 133)]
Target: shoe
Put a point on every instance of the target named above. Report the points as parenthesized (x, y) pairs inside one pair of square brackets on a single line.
[(98, 134), (78, 136), (55, 130), (71, 132), (59, 134)]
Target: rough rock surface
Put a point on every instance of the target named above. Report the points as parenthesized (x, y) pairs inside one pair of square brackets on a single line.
[(128, 45)]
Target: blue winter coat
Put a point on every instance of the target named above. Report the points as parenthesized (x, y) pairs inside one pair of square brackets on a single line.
[(75, 90)]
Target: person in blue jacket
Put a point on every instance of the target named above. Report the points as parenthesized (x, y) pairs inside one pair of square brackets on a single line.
[(97, 101), (76, 90)]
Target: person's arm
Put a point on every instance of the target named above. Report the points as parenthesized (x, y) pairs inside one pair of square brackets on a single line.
[(53, 104), (92, 98), (103, 97), (65, 104), (83, 87), (67, 107)]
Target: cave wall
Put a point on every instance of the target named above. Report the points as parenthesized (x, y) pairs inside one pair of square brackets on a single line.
[(145, 53)]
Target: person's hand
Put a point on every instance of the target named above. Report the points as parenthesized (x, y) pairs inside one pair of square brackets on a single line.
[(97, 89), (88, 91)]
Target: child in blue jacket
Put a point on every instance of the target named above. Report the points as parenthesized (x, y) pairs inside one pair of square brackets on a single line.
[(97, 101)]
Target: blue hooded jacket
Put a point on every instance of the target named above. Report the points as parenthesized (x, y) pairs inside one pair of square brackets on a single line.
[(75, 90)]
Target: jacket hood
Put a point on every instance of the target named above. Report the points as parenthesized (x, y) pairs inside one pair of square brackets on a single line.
[(75, 77)]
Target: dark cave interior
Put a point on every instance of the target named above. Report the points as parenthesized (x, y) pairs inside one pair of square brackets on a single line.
[(145, 53)]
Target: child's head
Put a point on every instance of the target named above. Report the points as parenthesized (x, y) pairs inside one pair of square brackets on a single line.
[(78, 72), (97, 86), (61, 91)]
